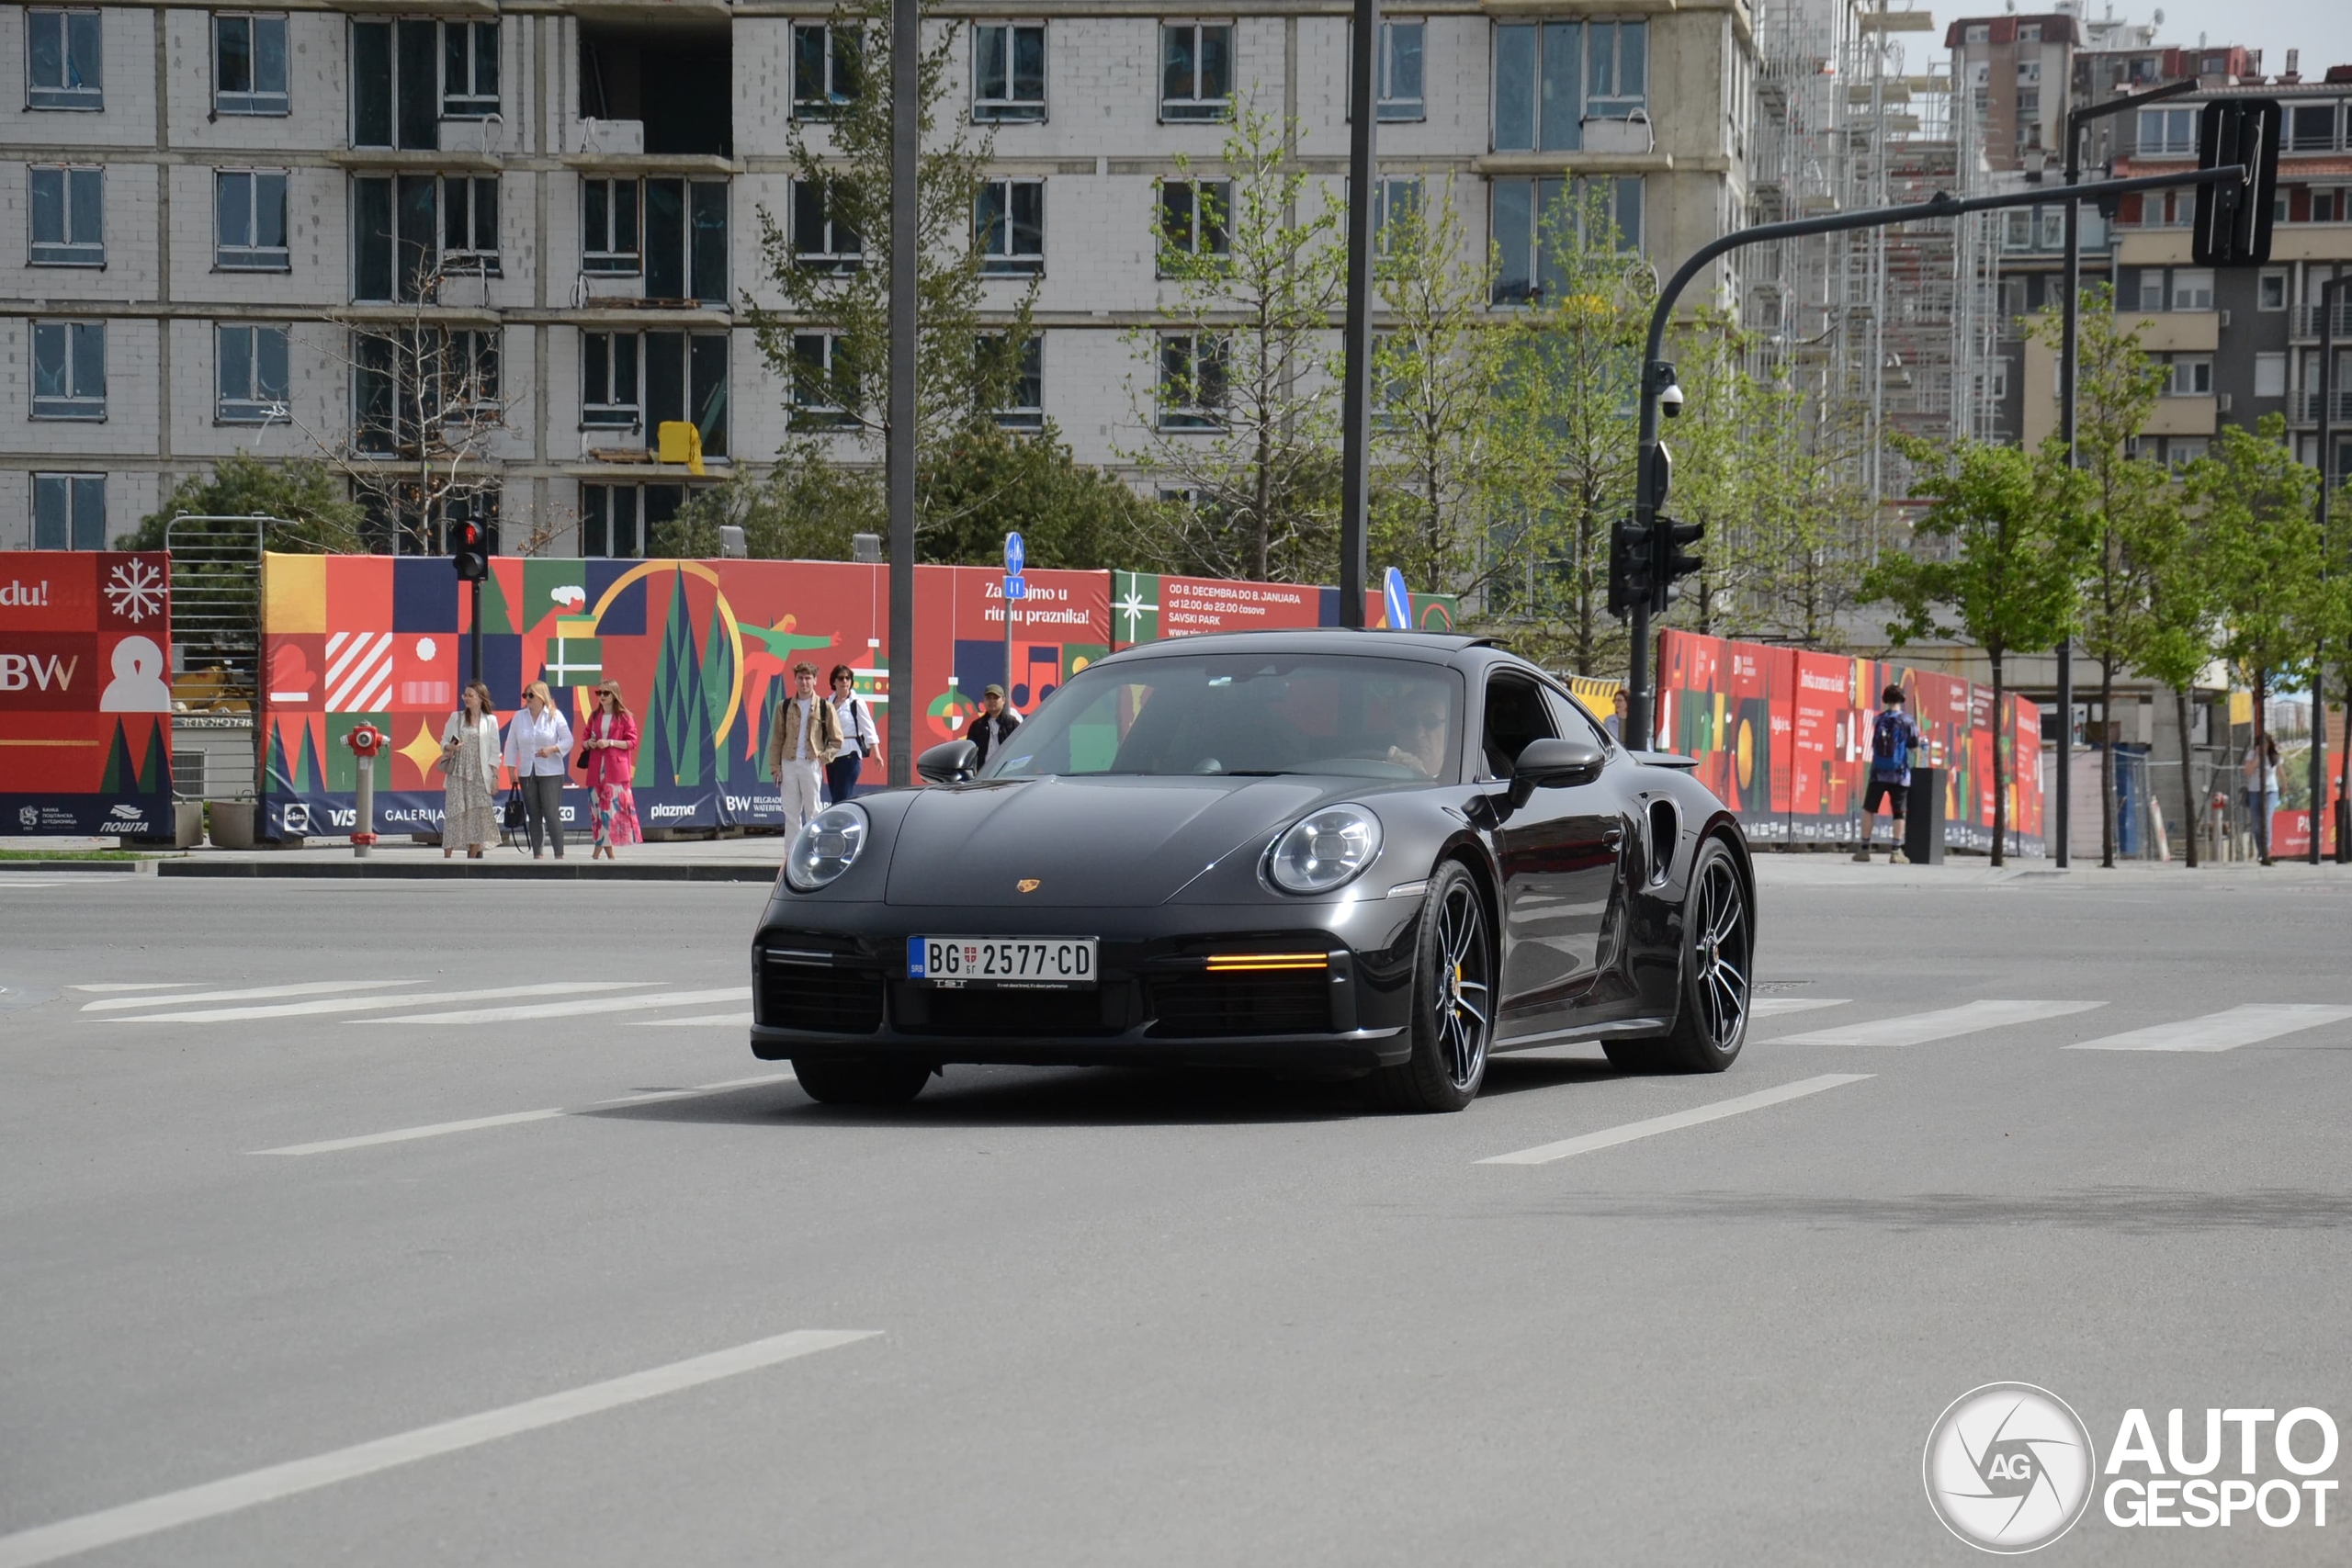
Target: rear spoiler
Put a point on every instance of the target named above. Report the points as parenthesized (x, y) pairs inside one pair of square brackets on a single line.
[(1665, 760)]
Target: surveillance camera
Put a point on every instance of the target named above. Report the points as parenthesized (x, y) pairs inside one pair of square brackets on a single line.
[(1671, 401)]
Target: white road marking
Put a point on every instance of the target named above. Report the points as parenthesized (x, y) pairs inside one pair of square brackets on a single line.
[(568, 1009), (305, 988), (2227, 1030), (12, 882), (370, 1004), (1544, 1154), (1919, 1028), (140, 986), (733, 1020), (513, 1118), (1773, 1007), (109, 1527)]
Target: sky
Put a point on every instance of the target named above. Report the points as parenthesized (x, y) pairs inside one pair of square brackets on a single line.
[(2320, 28)]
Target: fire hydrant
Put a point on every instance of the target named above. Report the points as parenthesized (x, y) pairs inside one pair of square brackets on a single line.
[(365, 741)]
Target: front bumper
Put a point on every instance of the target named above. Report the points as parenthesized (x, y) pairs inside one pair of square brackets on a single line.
[(830, 979)]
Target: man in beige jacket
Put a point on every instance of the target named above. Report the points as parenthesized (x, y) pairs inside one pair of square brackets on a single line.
[(805, 736)]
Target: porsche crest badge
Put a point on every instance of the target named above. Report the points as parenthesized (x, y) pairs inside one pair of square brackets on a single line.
[(1027, 885)]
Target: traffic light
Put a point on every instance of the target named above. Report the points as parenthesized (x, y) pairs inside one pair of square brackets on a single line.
[(1668, 560), (1629, 566), (469, 551), (2233, 219)]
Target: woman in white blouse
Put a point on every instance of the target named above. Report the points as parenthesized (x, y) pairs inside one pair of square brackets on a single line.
[(468, 767)]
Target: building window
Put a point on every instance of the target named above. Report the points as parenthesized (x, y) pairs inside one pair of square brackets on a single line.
[(2182, 450), (608, 227), (249, 220), (2192, 289), (249, 64), (396, 84), (62, 67), (822, 380), (252, 374), (825, 62), (2331, 204), (822, 241), (2310, 127), (2271, 290), (1193, 222), (2029, 105), (1396, 196), (617, 521), (2269, 375), (2191, 377), (685, 239), (1617, 78), (2028, 73), (1008, 226), (685, 379), (1539, 87), (403, 381), (1196, 70), (1192, 381), (469, 70), (69, 512), (1024, 407), (69, 370), (2152, 290), (1398, 69), (1522, 209), (1976, 33), (1008, 72), (470, 225), (2052, 222), (2167, 133), (69, 216), (608, 388)]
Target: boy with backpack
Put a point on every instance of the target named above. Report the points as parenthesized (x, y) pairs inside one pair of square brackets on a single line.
[(1892, 735)]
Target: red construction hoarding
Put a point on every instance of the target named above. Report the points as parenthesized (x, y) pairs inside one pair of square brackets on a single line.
[(85, 699)]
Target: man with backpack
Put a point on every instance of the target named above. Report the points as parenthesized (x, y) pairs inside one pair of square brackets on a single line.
[(1892, 735)]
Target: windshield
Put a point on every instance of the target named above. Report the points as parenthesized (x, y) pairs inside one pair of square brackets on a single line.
[(1374, 719)]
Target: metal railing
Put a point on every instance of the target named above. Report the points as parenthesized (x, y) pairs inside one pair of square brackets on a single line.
[(216, 603), (2306, 321), (2306, 408)]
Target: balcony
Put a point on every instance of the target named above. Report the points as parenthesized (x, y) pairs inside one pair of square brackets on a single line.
[(2305, 408), (2306, 321), (2182, 416), (2176, 331)]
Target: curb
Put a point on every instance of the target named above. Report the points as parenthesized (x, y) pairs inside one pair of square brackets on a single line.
[(476, 870), (132, 867)]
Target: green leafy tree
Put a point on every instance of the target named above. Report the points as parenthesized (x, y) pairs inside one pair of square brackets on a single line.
[(307, 512), (1998, 559), (829, 343), (1238, 401), (2263, 553), (2166, 579)]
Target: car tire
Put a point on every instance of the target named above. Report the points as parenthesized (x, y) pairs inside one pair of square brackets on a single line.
[(1716, 981), (1453, 990), (829, 1080)]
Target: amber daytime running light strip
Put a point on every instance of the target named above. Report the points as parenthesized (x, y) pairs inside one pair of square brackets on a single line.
[(1258, 962)]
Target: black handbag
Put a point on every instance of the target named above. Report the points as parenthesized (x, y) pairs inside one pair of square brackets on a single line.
[(511, 817)]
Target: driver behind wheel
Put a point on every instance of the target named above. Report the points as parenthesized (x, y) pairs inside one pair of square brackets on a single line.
[(1420, 737)]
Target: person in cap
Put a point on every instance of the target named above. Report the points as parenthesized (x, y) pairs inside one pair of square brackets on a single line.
[(989, 727)]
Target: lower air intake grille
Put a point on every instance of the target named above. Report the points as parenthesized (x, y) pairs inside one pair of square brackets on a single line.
[(1013, 1013), (817, 997), (1293, 1003)]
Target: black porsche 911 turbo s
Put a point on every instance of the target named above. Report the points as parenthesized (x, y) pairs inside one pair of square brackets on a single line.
[(1384, 853)]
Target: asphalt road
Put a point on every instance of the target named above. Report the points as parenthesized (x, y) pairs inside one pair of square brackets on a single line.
[(1126, 1317)]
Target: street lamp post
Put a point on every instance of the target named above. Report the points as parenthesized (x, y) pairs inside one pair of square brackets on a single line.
[(1658, 374), (898, 442), (2326, 484), (1355, 391), (2069, 316)]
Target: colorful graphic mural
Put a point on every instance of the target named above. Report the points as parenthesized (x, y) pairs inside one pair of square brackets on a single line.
[(1148, 605), (85, 700), (1783, 736), (703, 651)]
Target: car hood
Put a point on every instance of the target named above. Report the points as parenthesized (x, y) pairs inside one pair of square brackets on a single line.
[(1088, 842)]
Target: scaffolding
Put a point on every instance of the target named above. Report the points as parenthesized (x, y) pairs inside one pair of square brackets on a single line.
[(1884, 331)]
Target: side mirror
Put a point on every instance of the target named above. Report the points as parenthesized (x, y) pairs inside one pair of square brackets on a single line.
[(950, 762), (1555, 764)]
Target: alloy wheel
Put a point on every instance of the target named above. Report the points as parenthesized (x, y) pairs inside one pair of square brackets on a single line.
[(1719, 949), (1465, 990)]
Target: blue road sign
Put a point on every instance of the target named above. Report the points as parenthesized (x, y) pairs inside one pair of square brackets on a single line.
[(1013, 557), (1014, 586), (1396, 602)]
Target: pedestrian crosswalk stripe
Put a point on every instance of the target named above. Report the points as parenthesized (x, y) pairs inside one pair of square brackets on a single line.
[(569, 1008), (2246, 1025), (712, 1020), (516, 1118), (250, 993), (1921, 1028), (1774, 1007), (1544, 1154), (370, 1004), (139, 986)]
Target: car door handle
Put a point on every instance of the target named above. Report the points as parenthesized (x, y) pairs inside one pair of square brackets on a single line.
[(1613, 838)]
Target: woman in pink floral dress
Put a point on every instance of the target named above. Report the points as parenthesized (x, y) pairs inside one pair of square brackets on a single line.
[(608, 747)]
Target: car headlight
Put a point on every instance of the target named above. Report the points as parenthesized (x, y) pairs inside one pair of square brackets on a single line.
[(826, 846), (1324, 850)]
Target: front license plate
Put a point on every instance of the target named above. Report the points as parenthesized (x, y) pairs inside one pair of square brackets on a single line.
[(1001, 961)]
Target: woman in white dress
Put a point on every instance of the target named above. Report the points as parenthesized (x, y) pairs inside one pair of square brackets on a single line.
[(469, 766)]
